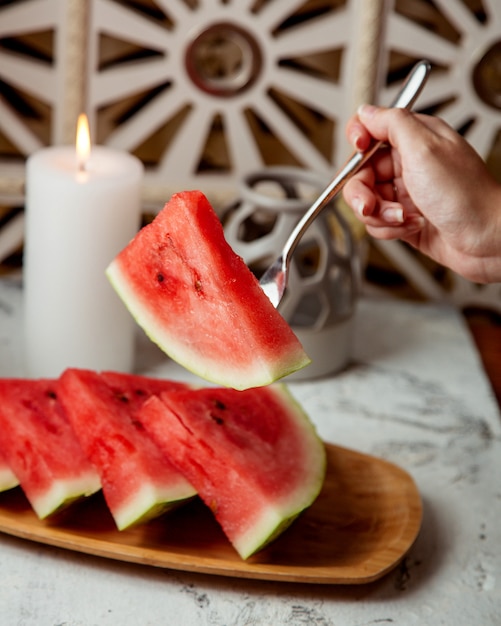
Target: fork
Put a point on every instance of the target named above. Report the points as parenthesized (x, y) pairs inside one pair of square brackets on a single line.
[(274, 281)]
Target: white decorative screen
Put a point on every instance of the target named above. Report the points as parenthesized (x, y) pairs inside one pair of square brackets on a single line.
[(206, 91)]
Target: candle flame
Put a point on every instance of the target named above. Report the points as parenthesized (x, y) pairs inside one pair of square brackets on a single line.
[(83, 141)]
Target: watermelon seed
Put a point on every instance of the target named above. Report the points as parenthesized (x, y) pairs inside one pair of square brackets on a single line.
[(220, 405), (51, 394), (160, 277), (219, 420)]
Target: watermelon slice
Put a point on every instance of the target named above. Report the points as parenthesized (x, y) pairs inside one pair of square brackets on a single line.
[(40, 446), (8, 480), (138, 482), (199, 302), (253, 456)]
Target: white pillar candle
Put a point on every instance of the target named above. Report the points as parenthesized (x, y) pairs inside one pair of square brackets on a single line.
[(78, 217)]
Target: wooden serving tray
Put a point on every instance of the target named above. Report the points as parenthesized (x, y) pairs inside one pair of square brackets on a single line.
[(362, 524)]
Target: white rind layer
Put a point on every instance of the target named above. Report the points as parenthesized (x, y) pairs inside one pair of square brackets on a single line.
[(8, 480), (218, 371), (63, 492), (150, 501), (277, 516), (272, 522), (231, 485)]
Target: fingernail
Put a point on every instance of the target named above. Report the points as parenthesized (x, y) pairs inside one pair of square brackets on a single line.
[(357, 142), (393, 215), (359, 206), (366, 110)]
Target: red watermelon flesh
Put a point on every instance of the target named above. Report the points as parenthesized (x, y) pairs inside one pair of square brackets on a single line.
[(199, 302), (40, 446), (8, 479), (138, 481), (253, 456)]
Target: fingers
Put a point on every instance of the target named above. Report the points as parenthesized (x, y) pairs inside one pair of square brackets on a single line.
[(407, 231), (357, 134), (378, 209), (368, 198), (383, 219), (377, 193), (391, 125), (369, 122), (391, 213), (398, 127), (359, 195)]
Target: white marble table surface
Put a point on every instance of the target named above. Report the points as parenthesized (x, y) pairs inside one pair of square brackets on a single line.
[(416, 395)]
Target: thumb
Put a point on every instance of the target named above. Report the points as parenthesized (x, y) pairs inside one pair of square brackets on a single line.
[(391, 125)]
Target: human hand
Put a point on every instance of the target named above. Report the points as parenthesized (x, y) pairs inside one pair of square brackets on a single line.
[(429, 188)]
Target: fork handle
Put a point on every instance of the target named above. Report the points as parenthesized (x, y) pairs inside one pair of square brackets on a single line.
[(404, 100)]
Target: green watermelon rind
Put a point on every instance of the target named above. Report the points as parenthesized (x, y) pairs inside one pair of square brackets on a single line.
[(216, 371), (64, 492), (8, 480), (150, 502), (261, 537), (275, 515), (279, 518)]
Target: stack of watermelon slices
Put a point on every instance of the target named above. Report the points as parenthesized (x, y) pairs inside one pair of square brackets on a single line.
[(138, 481), (252, 456), (66, 439)]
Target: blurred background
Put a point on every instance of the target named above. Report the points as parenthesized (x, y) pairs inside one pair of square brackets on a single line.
[(205, 92)]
